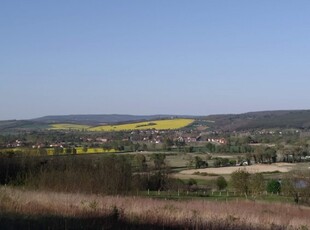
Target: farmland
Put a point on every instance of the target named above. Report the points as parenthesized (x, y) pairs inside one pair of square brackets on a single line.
[(155, 124), (69, 126), (22, 151), (163, 164)]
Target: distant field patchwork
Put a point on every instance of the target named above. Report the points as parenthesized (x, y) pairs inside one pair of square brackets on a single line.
[(157, 124)]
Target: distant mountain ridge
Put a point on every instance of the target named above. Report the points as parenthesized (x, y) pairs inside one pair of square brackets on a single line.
[(299, 119)]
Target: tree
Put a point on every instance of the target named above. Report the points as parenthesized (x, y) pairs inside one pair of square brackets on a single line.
[(85, 149), (199, 163), (271, 155), (144, 147), (210, 147), (240, 181), (68, 150), (217, 163), (74, 151), (256, 184), (158, 159), (168, 143), (190, 162), (191, 184), (221, 183), (140, 162), (136, 147), (273, 186)]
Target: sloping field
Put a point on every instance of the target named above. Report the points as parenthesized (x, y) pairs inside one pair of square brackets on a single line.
[(157, 124), (69, 126)]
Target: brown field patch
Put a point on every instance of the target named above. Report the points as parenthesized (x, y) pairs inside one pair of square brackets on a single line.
[(258, 168)]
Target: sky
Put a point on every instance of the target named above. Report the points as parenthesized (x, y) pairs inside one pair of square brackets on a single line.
[(153, 57)]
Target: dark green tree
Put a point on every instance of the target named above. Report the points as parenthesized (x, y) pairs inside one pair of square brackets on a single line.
[(273, 186), (221, 183), (199, 163)]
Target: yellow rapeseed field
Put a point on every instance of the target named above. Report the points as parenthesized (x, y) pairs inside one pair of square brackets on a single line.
[(79, 150), (94, 150), (157, 124)]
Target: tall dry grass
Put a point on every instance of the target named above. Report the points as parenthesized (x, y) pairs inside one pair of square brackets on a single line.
[(198, 214)]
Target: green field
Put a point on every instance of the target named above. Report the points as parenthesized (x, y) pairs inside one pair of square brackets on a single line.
[(69, 126), (157, 124)]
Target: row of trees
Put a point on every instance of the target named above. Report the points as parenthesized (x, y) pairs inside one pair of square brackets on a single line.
[(296, 184), (109, 174)]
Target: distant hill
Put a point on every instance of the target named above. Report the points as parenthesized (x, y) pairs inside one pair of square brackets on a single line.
[(299, 119), (101, 119), (91, 120), (16, 125)]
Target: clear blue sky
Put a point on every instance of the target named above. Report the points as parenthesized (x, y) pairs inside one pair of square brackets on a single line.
[(153, 57)]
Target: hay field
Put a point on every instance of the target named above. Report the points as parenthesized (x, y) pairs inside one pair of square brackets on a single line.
[(258, 168)]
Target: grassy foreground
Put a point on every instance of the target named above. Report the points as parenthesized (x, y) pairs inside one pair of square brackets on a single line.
[(66, 210)]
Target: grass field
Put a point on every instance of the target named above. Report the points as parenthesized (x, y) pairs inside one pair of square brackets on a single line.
[(69, 126), (166, 214), (157, 124)]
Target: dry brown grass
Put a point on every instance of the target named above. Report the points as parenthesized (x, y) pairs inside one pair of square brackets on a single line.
[(257, 168), (193, 214)]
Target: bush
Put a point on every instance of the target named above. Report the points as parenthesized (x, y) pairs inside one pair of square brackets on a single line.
[(273, 186), (191, 182)]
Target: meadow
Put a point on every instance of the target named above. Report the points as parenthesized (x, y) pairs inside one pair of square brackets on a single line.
[(57, 210), (156, 124)]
